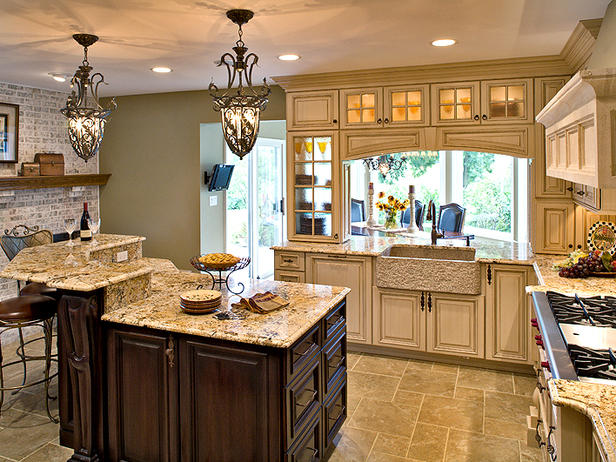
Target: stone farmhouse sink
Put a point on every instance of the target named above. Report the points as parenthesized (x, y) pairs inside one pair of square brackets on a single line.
[(429, 268)]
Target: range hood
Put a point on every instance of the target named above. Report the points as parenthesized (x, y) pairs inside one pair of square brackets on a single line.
[(580, 129)]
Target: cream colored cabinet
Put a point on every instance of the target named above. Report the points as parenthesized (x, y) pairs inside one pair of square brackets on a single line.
[(361, 108), (508, 330), (354, 272), (406, 106), (314, 110), (399, 319), (554, 226), (455, 103), (507, 101), (313, 183), (455, 324)]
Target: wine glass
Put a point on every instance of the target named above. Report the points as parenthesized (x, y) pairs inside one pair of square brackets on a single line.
[(94, 226), (69, 226)]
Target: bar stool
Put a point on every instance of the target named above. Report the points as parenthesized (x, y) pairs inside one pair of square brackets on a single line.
[(12, 242), (26, 311)]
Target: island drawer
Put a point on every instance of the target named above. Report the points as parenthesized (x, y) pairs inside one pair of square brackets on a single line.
[(303, 396), (334, 414), (302, 352), (289, 261), (333, 320), (308, 445), (334, 361), (289, 276)]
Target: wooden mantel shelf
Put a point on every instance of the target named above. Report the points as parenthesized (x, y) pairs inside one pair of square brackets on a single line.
[(8, 183)]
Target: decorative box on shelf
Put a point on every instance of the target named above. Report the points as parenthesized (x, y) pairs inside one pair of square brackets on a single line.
[(30, 169), (51, 164)]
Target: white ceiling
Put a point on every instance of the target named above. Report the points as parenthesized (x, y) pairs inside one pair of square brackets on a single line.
[(330, 35)]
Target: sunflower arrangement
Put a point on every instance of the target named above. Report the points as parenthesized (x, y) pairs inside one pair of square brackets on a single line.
[(391, 207)]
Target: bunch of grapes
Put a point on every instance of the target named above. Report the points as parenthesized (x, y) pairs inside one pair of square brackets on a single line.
[(594, 262), (581, 269)]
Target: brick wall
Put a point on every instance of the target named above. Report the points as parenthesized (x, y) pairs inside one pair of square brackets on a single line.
[(42, 128)]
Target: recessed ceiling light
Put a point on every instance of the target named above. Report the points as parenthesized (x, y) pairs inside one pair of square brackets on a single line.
[(161, 69), (58, 77), (443, 42), (289, 57)]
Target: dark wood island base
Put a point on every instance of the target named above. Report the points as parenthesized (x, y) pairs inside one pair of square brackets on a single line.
[(137, 394)]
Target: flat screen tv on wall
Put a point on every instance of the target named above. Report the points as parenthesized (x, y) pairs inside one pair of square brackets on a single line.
[(221, 177)]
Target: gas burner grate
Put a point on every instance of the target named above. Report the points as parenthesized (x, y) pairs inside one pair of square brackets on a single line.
[(593, 363), (593, 311)]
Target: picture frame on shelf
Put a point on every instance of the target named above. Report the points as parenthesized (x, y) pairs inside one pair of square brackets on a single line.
[(9, 133)]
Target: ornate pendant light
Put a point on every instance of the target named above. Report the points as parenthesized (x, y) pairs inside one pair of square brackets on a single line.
[(86, 116), (240, 109)]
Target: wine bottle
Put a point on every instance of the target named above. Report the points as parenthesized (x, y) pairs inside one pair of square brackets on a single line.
[(85, 233)]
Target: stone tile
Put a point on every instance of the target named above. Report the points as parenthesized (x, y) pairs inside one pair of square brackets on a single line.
[(24, 433), (394, 445), (530, 454), (484, 379), (506, 429), (50, 453), (524, 384), (352, 445), (450, 412), (411, 399), (381, 457), (427, 381), (361, 385), (416, 364), (385, 417), (352, 402), (381, 365), (352, 359), (428, 443), (443, 367), (463, 446), (472, 394), (2, 459), (504, 406)]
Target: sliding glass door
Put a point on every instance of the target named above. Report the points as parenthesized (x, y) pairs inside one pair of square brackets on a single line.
[(254, 218)]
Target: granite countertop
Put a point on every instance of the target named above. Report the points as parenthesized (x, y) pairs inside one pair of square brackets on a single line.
[(548, 279), (487, 250), (596, 401), (47, 264), (279, 329)]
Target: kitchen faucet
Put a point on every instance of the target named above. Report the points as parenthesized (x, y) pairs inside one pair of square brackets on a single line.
[(434, 235)]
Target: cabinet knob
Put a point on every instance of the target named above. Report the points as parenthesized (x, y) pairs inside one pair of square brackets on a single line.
[(570, 188), (386, 120), (335, 121), (336, 236), (484, 117), (570, 246), (379, 121), (580, 193), (476, 117)]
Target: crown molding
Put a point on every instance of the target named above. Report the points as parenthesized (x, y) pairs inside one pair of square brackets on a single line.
[(579, 47), (538, 66)]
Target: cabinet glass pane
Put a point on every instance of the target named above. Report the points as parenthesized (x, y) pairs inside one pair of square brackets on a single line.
[(303, 199), (323, 149), (414, 98), (463, 95), (398, 98), (446, 96), (303, 148), (414, 113), (323, 173), (353, 102), (515, 109), (497, 109), (354, 116), (497, 94), (303, 173), (322, 224), (446, 112), (463, 111), (323, 199), (367, 115), (515, 93), (398, 114), (303, 223), (367, 100)]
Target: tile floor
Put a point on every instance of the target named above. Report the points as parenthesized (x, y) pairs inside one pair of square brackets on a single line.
[(398, 411)]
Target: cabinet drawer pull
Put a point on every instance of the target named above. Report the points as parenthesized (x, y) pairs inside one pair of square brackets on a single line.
[(537, 435), (422, 301), (312, 454), (287, 260), (336, 416), (489, 275), (307, 347), (429, 302), (312, 396), (170, 352), (551, 449), (338, 364)]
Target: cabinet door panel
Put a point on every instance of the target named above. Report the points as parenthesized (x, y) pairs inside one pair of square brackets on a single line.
[(399, 319), (554, 226), (362, 107), (142, 401), (352, 272), (456, 325), (406, 106), (227, 394), (455, 103), (507, 101), (507, 323), (316, 110)]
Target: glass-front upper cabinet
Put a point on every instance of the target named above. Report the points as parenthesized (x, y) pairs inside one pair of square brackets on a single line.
[(455, 103), (312, 185), (361, 108), (507, 101), (406, 106)]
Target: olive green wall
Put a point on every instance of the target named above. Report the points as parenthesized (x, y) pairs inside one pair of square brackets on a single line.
[(152, 150)]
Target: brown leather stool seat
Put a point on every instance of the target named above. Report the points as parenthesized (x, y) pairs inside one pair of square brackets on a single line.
[(27, 308), (37, 288)]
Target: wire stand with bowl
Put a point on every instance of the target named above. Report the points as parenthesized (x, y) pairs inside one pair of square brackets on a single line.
[(215, 264)]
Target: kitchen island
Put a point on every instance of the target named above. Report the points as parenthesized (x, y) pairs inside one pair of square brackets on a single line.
[(140, 380)]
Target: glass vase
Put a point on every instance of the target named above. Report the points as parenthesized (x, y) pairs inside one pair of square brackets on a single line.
[(391, 219)]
